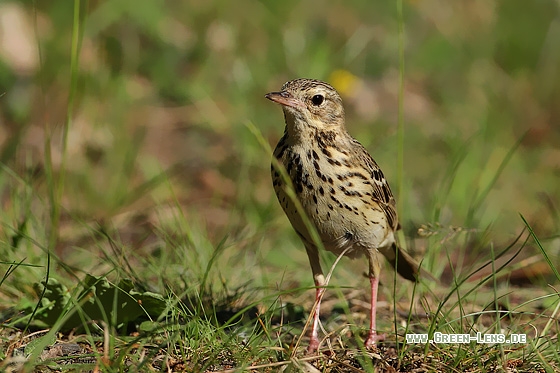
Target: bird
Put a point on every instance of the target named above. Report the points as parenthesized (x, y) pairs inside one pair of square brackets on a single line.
[(337, 191)]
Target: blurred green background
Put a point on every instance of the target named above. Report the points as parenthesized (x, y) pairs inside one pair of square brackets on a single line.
[(158, 150)]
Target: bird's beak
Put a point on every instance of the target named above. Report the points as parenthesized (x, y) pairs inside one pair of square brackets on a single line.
[(284, 98)]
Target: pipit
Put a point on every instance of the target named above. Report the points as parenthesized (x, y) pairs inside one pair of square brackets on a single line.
[(340, 188)]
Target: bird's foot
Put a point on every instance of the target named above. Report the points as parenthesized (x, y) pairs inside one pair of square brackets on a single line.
[(313, 346), (372, 339)]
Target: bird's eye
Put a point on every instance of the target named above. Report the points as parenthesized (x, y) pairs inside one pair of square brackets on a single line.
[(317, 100)]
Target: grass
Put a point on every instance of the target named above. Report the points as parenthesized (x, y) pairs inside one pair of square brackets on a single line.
[(138, 228)]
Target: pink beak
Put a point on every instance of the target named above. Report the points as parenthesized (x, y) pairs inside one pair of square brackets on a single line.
[(284, 98)]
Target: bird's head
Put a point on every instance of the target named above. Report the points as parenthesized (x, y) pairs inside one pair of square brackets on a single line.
[(310, 103)]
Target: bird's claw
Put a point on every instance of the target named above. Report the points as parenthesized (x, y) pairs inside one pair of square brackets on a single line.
[(373, 338)]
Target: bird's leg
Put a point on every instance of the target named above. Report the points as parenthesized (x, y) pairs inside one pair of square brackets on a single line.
[(374, 270), (373, 337), (319, 283), (314, 338)]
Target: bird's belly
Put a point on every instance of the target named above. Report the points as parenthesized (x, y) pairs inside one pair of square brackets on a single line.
[(346, 224), (343, 218)]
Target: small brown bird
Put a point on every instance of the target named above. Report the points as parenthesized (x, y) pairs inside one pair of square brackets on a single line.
[(341, 189)]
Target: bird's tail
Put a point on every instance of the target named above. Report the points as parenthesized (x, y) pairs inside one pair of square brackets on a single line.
[(403, 263)]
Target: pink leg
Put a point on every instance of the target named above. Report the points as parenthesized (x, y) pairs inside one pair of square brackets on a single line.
[(314, 340), (319, 283), (373, 338)]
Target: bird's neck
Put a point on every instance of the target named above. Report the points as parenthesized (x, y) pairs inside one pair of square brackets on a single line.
[(299, 131), (313, 137), (296, 128)]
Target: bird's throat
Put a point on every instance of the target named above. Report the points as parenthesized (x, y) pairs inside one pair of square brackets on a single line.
[(297, 128)]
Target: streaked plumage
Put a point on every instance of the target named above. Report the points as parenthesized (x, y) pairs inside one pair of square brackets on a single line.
[(341, 188)]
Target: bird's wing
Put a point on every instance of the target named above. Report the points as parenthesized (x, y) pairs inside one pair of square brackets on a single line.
[(380, 190)]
